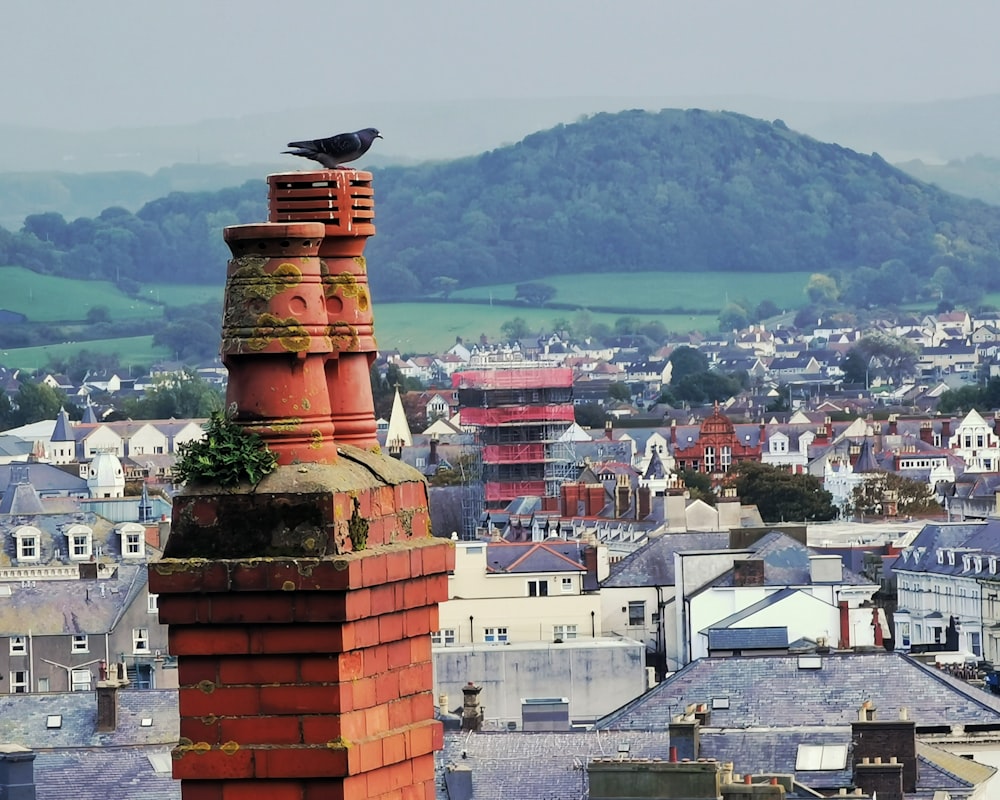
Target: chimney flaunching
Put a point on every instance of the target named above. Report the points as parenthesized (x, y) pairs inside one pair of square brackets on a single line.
[(300, 607)]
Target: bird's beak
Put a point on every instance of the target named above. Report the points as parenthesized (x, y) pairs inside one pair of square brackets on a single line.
[(378, 136)]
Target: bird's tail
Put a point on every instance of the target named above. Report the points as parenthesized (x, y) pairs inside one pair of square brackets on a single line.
[(307, 145)]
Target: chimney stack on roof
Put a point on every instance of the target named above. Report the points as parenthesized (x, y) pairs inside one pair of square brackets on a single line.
[(17, 772), (285, 598)]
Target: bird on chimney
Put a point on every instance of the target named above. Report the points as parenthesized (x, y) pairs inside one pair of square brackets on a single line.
[(334, 151)]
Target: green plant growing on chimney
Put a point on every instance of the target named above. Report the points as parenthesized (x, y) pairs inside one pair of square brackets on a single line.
[(228, 455)]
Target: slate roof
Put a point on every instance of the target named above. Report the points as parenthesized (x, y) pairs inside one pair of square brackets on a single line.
[(46, 479), (553, 555), (52, 529), (723, 638), (529, 766), (14, 447), (58, 607), (75, 761), (829, 696), (21, 499), (921, 555), (653, 563), (540, 766), (786, 563)]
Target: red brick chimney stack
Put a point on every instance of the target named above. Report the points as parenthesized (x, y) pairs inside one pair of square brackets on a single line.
[(300, 607)]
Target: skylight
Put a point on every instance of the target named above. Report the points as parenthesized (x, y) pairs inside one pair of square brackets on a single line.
[(821, 757)]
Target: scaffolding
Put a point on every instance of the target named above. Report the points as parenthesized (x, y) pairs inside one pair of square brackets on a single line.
[(521, 417)]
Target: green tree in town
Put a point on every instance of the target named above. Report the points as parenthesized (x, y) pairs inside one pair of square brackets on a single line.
[(890, 356), (516, 328), (822, 288), (874, 494), (699, 486), (781, 496), (534, 293), (34, 402), (686, 361), (733, 318), (620, 391), (182, 396)]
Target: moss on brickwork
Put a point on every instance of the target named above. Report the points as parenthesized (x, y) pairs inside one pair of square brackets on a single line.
[(358, 528), (301, 510)]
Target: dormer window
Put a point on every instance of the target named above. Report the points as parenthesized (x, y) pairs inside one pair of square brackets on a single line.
[(979, 563), (28, 543), (80, 539), (940, 556), (951, 558), (993, 565), (133, 540), (966, 563)]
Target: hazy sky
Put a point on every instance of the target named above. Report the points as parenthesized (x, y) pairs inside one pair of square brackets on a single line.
[(97, 64)]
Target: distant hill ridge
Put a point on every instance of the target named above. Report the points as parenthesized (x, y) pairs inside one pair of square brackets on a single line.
[(634, 191)]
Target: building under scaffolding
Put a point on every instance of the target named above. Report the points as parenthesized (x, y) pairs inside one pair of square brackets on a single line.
[(521, 417)]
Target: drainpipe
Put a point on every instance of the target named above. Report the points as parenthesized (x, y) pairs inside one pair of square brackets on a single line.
[(593, 628), (472, 631), (661, 635)]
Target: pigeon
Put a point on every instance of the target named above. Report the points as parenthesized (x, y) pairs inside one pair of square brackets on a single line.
[(336, 150)]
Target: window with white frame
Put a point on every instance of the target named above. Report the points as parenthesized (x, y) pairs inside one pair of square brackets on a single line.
[(81, 546), (43, 684), (28, 543), (152, 603), (566, 585), (538, 588), (80, 539), (726, 457), (563, 632), (133, 544), (19, 681), (975, 644), (18, 645), (80, 643), (140, 640), (495, 635), (637, 612), (709, 459), (80, 680), (444, 636)]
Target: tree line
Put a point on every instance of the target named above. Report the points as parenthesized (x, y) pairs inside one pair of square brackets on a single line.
[(677, 191)]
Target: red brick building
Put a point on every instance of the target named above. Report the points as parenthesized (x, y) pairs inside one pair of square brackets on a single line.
[(715, 447)]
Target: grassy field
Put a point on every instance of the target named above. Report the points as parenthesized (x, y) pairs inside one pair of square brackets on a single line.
[(695, 290), (45, 298), (408, 327), (133, 351), (432, 327)]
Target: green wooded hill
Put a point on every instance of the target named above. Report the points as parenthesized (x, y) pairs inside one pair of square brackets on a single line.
[(673, 191)]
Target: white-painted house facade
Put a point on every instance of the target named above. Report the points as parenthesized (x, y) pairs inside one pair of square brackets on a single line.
[(505, 592)]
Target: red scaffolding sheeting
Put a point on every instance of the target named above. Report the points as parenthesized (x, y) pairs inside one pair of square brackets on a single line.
[(517, 414), (528, 378), (513, 453), (508, 491)]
